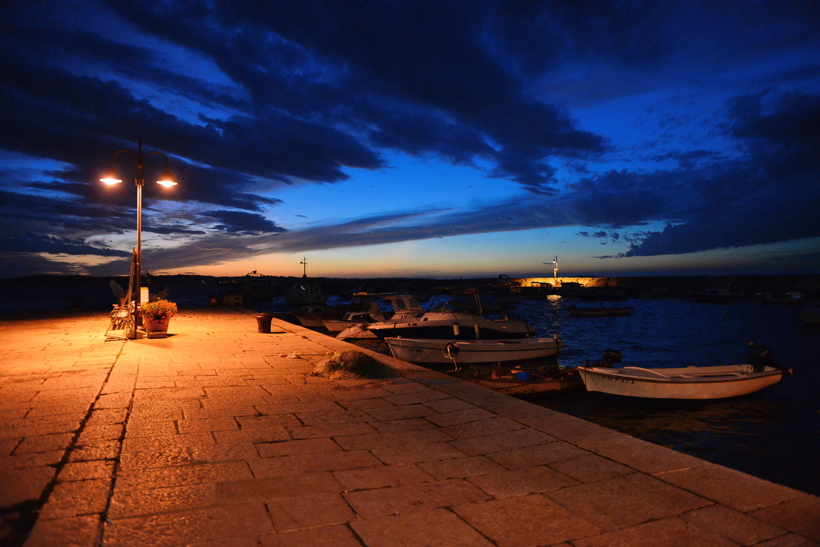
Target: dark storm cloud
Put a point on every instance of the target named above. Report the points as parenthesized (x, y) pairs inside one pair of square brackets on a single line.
[(36, 243), (237, 222), (770, 195), (623, 198), (390, 67), (65, 117), (689, 159), (248, 97)]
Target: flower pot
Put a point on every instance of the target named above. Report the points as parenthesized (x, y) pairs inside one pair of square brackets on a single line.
[(156, 328)]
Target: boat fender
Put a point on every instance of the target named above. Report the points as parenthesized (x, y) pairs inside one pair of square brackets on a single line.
[(477, 332), (456, 330)]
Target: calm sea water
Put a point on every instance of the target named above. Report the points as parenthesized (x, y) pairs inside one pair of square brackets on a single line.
[(773, 434)]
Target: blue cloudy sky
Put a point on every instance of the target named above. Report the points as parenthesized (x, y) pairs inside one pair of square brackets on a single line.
[(412, 138)]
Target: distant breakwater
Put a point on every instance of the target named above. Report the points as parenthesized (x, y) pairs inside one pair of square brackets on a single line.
[(680, 286)]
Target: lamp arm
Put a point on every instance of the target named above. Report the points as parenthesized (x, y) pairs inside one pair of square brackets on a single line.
[(167, 163), (120, 151)]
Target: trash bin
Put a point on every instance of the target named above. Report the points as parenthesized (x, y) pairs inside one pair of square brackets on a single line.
[(263, 320)]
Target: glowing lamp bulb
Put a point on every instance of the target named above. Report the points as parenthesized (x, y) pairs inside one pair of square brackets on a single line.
[(167, 179), (110, 176)]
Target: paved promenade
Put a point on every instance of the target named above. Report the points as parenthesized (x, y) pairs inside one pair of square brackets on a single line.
[(221, 436)]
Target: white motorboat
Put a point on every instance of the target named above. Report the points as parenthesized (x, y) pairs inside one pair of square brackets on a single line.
[(404, 307), (692, 382), (314, 316), (443, 323), (352, 318), (423, 351)]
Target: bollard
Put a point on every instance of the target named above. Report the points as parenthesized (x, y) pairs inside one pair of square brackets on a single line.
[(263, 320)]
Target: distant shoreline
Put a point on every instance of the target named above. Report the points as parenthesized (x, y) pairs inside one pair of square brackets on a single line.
[(34, 296), (809, 284)]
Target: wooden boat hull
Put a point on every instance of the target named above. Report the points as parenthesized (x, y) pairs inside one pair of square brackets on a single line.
[(523, 387), (679, 383), (422, 351)]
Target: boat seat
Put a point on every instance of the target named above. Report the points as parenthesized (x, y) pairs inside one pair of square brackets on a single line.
[(640, 371)]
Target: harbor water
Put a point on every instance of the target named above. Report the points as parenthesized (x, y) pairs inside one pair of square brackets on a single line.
[(773, 434)]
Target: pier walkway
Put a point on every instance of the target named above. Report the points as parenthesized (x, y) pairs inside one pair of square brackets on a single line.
[(220, 436)]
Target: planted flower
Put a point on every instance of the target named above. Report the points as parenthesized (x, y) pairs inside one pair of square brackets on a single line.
[(159, 310)]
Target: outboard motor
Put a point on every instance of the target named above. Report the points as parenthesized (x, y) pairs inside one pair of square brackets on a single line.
[(760, 356), (611, 357)]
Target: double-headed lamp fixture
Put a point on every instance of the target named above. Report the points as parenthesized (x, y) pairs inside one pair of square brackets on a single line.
[(111, 177)]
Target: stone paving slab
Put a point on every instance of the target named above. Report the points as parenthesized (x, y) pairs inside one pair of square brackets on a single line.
[(221, 436)]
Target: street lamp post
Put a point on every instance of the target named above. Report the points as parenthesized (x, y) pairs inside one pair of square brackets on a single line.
[(167, 180)]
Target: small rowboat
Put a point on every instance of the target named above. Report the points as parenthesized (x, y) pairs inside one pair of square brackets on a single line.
[(679, 383), (575, 311), (423, 351), (513, 385)]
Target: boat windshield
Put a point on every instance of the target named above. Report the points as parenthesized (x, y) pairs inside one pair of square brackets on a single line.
[(442, 307)]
